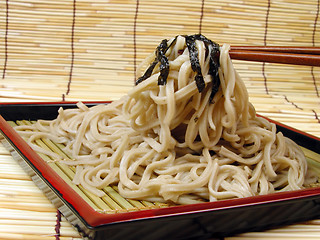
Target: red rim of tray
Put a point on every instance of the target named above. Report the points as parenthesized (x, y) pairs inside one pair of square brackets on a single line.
[(95, 219)]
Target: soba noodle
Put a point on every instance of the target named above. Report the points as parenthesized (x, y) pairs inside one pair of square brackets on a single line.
[(185, 132)]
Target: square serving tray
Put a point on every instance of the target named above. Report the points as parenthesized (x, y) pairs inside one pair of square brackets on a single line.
[(151, 221)]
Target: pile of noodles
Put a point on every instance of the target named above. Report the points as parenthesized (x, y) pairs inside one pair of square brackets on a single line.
[(186, 132)]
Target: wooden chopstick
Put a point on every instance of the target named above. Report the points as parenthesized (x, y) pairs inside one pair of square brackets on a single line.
[(308, 56), (283, 49)]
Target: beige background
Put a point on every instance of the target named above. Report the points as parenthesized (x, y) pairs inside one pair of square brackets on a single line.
[(84, 50)]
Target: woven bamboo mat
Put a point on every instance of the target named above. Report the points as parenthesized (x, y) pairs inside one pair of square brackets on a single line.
[(88, 50)]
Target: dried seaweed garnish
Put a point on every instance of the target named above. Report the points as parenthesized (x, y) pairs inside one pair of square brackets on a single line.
[(164, 62), (147, 73), (164, 65), (194, 60), (214, 69), (214, 54), (212, 50)]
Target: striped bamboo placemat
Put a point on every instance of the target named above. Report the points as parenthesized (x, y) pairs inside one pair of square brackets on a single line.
[(88, 50), (84, 50)]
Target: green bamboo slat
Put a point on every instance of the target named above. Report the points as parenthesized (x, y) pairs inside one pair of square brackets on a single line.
[(110, 203), (113, 201), (60, 172)]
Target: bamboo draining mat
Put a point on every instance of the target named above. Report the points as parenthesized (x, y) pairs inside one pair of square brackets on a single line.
[(112, 202), (25, 212), (88, 50)]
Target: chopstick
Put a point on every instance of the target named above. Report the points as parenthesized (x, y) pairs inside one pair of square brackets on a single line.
[(308, 56), (287, 49)]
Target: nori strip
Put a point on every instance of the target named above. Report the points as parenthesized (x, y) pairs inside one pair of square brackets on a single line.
[(194, 60), (214, 70), (164, 62), (212, 50), (215, 79), (147, 73)]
